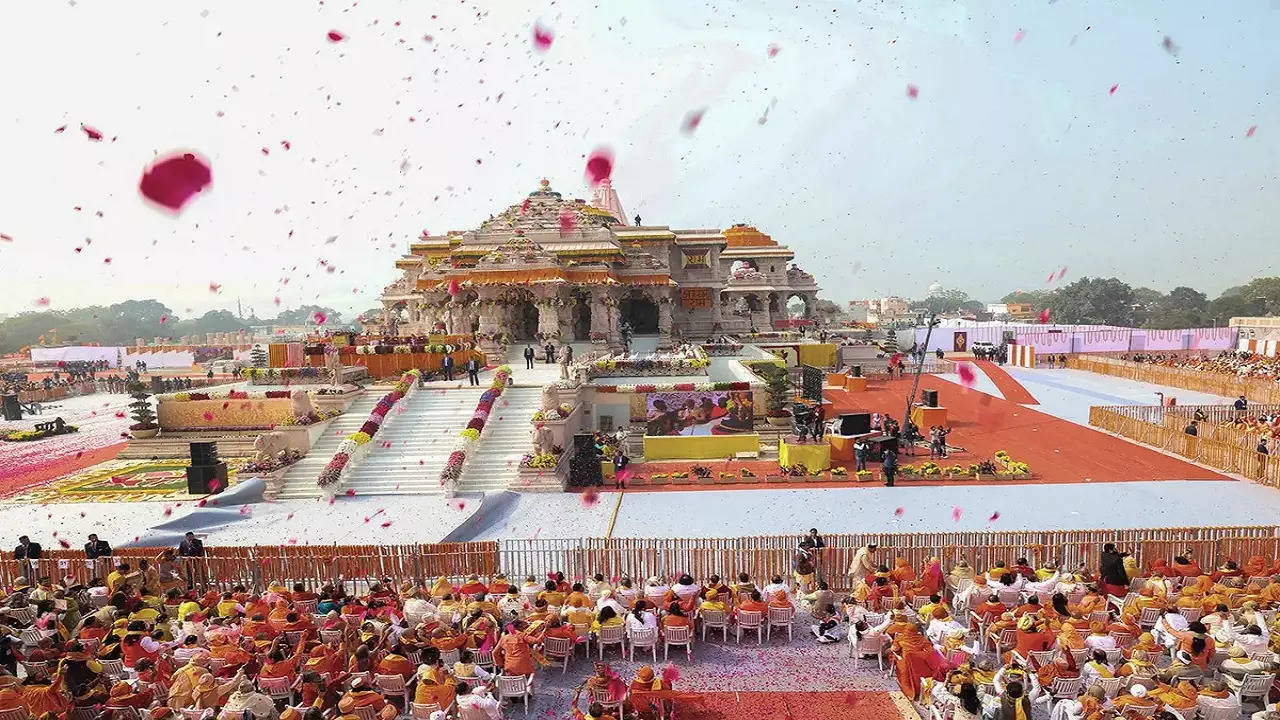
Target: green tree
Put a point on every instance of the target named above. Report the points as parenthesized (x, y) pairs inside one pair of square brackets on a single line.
[(306, 314), (945, 302), (1037, 298), (1093, 301)]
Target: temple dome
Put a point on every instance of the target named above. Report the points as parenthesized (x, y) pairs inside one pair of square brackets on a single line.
[(743, 235)]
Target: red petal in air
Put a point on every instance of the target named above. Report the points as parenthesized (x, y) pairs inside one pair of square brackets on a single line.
[(774, 49), (1044, 316), (92, 132), (568, 221), (599, 166), (692, 119), (1247, 133), (1112, 91), (335, 36), (171, 181), (913, 92), (542, 37)]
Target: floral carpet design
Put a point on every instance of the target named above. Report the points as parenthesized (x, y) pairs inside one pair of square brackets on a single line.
[(121, 481)]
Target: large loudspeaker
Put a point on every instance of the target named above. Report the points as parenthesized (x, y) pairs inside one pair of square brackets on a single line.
[(206, 479), (857, 371), (204, 453), (855, 424), (12, 410), (930, 398)]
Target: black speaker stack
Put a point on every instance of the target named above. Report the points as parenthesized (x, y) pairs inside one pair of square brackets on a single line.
[(12, 410), (930, 398), (855, 423), (207, 474), (584, 466), (857, 371)]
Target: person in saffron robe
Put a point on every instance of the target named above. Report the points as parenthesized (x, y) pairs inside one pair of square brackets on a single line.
[(1255, 566), (917, 659), (514, 652), (435, 684), (902, 571), (361, 696), (1063, 666), (988, 611), (473, 586), (929, 583), (395, 663), (754, 604)]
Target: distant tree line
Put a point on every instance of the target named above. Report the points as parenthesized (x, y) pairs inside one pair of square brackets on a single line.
[(122, 323)]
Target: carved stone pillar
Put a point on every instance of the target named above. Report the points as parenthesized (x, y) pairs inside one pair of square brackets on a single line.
[(490, 319), (549, 312), (664, 315)]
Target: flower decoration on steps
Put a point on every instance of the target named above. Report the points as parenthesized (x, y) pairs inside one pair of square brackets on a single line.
[(358, 444), (453, 466)]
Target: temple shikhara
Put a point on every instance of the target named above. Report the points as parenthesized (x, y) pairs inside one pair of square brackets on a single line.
[(548, 269)]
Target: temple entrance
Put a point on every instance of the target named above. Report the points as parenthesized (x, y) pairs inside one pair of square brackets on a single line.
[(526, 321), (581, 315), (640, 313)]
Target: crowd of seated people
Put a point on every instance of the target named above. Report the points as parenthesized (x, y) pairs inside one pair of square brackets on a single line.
[(1241, 364), (143, 642), (1001, 643)]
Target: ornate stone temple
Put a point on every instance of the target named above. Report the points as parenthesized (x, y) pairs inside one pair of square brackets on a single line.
[(554, 270)]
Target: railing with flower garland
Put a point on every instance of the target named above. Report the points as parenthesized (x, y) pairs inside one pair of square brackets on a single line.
[(357, 445), (289, 375), (229, 395), (453, 466), (672, 387)]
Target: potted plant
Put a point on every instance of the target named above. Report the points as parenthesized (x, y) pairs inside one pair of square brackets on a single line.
[(775, 381), (144, 418)]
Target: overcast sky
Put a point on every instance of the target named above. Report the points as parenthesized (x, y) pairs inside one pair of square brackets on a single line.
[(1014, 160)]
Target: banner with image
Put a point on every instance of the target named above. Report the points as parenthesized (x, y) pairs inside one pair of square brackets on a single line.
[(711, 412)]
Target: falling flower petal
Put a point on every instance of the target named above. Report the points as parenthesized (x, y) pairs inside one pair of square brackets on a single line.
[(774, 49), (967, 377), (63, 542), (542, 37), (42, 302), (590, 497), (335, 36), (351, 492), (92, 132), (913, 92), (899, 511), (692, 119), (214, 287), (319, 318), (1044, 316), (599, 166), (1113, 89), (386, 524), (60, 128), (170, 182), (454, 289), (994, 517), (568, 221), (1247, 133), (956, 512), (1017, 37), (164, 319), (244, 509)]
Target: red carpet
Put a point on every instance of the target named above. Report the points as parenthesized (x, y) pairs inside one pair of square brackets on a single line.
[(791, 706), (65, 465), (1011, 389), (1057, 450)]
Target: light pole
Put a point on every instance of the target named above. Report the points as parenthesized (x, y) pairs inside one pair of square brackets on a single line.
[(915, 384)]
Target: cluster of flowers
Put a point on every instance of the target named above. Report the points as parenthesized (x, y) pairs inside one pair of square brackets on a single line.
[(357, 445), (541, 461), (283, 459), (230, 395), (287, 373), (453, 466), (564, 410), (318, 415), (403, 349), (29, 435), (673, 387), (668, 365)]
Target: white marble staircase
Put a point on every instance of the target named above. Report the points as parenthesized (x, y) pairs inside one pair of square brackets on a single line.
[(494, 461), (420, 438)]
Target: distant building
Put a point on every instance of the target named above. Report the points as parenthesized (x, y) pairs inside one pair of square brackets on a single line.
[(1256, 328), (858, 312), (884, 309)]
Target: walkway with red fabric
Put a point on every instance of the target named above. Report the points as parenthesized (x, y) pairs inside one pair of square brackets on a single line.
[(1057, 450), (792, 706), (1011, 389)]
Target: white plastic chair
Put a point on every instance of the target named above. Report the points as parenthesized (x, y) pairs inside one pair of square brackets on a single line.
[(114, 669), (331, 637), (1042, 657), (276, 688), (1149, 616), (1009, 597), (1191, 614), (678, 635), (392, 686), (194, 714), (601, 695), (868, 645), (423, 711), (37, 669), (780, 617), (557, 651), (750, 620), (1213, 711), (611, 635), (305, 607), (515, 686), (122, 712), (365, 712), (91, 713), (1110, 686), (483, 659), (449, 657), (18, 713), (1256, 685), (1142, 710), (583, 630), (644, 639), (22, 615), (1062, 689), (714, 619)]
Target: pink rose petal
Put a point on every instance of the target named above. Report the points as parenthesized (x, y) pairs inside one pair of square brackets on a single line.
[(336, 37), (42, 302), (91, 132), (899, 511), (542, 37), (599, 166), (956, 513), (590, 497), (214, 287), (568, 221), (1044, 316), (1112, 91), (774, 49), (913, 92), (691, 121), (1017, 37), (172, 181), (1247, 133), (967, 376), (994, 517)]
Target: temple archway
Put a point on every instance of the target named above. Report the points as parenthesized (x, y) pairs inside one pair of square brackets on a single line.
[(640, 313), (526, 321), (580, 315), (798, 306), (753, 302)]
